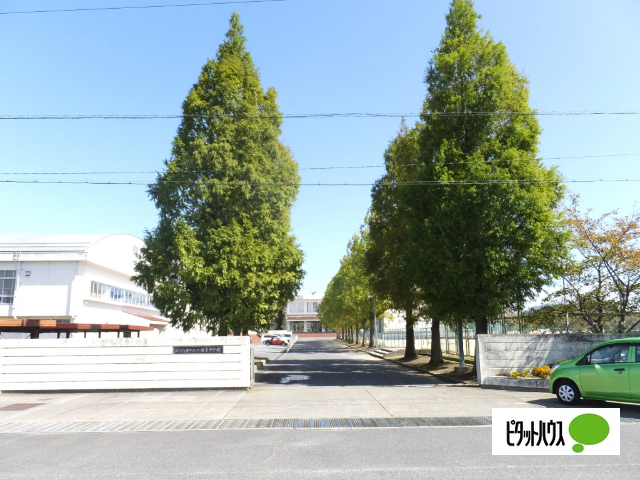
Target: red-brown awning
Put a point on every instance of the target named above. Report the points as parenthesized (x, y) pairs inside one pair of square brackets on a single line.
[(96, 327), (48, 326)]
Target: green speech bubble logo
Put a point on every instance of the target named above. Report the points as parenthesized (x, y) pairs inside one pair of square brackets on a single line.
[(588, 429)]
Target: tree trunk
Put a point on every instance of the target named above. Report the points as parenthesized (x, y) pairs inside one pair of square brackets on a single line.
[(460, 344), (371, 332), (364, 324), (482, 325), (236, 332), (436, 348), (410, 344), (621, 322)]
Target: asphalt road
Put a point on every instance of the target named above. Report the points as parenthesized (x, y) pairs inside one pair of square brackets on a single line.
[(328, 363), (403, 453)]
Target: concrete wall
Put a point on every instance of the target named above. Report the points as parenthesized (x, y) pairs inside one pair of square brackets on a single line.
[(500, 354), (114, 364)]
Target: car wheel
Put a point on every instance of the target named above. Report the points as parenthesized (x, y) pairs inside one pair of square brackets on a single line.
[(267, 343), (567, 392)]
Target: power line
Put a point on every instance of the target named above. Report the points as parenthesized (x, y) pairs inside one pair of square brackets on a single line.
[(316, 115), (470, 162), (139, 7), (345, 167), (337, 184)]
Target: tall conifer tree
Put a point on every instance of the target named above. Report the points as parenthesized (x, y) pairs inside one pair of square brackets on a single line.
[(385, 258), (485, 235), (222, 256)]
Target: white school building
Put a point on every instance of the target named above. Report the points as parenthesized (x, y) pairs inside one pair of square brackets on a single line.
[(77, 279), (302, 314)]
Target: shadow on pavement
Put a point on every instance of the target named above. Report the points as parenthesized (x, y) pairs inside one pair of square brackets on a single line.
[(327, 363)]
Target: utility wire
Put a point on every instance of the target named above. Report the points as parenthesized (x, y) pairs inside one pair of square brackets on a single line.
[(285, 184), (532, 113), (316, 168), (139, 7)]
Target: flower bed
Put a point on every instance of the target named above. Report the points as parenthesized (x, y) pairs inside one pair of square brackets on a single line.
[(535, 372)]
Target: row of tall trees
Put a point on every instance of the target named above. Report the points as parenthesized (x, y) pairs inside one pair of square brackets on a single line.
[(348, 305), (465, 223)]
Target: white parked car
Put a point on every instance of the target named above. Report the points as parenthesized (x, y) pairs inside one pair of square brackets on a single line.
[(271, 334)]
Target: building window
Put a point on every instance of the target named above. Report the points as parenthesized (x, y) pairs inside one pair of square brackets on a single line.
[(120, 295), (7, 286), (296, 307), (297, 327), (312, 307)]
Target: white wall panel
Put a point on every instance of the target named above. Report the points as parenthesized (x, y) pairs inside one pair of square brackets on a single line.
[(113, 359), (127, 363)]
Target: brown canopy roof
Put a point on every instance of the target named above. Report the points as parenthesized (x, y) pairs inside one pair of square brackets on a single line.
[(46, 326)]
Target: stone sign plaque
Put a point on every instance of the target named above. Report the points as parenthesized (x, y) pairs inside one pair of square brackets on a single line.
[(197, 349)]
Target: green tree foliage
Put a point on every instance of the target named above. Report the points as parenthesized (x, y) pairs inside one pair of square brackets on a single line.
[(611, 247), (346, 304), (222, 257), (601, 281), (484, 235), (386, 257)]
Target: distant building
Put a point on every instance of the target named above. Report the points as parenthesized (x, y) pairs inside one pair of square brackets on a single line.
[(395, 321), (81, 279), (302, 315)]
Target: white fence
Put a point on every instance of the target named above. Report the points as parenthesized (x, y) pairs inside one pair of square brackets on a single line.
[(397, 338), (124, 363)]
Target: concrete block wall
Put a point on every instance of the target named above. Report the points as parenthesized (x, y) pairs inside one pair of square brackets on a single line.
[(122, 363), (500, 354)]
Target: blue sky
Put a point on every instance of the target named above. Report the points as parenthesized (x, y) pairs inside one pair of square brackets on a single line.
[(322, 56)]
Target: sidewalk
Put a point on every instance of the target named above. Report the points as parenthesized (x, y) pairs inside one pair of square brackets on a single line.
[(289, 401)]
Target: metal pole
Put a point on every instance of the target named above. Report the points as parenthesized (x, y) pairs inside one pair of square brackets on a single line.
[(566, 313), (16, 286), (446, 338)]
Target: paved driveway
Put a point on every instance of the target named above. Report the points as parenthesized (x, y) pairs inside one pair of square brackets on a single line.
[(323, 362)]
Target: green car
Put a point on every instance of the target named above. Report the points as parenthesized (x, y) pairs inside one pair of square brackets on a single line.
[(609, 371)]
